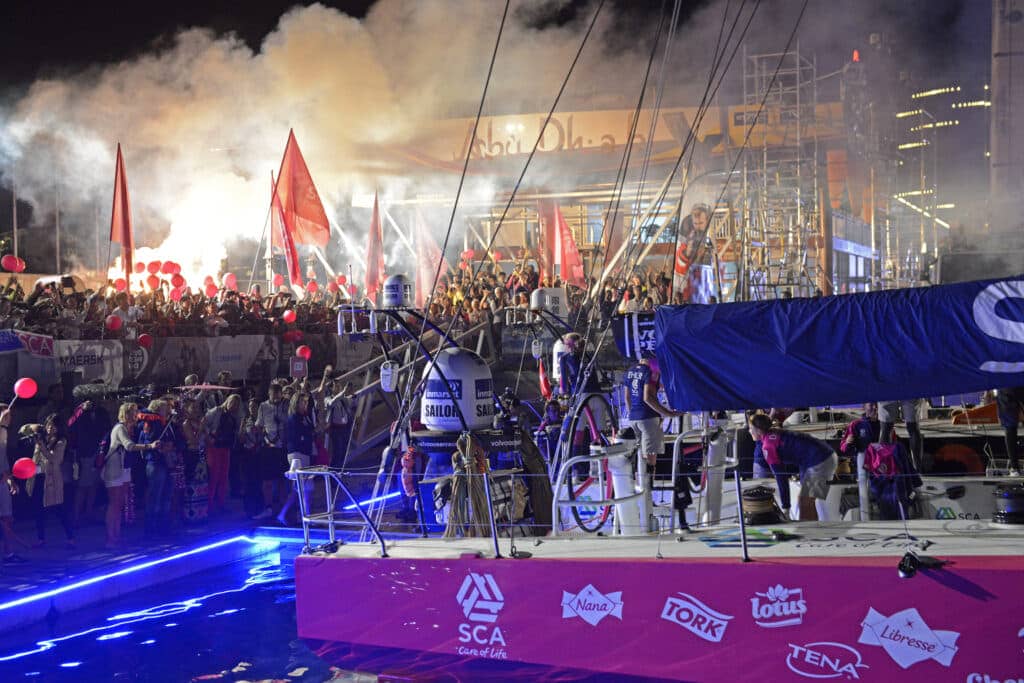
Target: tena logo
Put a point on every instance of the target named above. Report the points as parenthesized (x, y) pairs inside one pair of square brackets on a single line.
[(824, 660), (778, 606), (696, 617), (591, 605), (907, 639)]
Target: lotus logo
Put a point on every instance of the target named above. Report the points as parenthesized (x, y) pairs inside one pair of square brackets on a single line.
[(778, 606)]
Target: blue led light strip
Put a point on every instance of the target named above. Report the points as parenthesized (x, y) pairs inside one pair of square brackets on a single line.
[(132, 569), (372, 500)]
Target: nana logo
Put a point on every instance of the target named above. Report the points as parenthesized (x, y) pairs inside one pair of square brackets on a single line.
[(591, 605), (907, 639), (824, 660), (778, 606), (696, 617), (481, 600)]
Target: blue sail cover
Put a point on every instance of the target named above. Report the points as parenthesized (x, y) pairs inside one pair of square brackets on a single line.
[(895, 344)]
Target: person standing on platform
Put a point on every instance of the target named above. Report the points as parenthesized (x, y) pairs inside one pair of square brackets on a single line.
[(888, 415), (779, 450), (1009, 402), (340, 413), (222, 426), (271, 420), (299, 433), (116, 474)]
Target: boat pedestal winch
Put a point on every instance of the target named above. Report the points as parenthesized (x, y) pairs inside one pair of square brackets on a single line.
[(759, 506), (1009, 504)]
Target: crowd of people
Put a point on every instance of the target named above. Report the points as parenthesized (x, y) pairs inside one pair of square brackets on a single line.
[(172, 459)]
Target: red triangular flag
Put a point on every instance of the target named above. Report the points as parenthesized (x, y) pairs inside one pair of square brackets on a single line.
[(374, 254), (572, 263), (281, 238), (121, 216), (303, 213), (545, 383), (426, 265)]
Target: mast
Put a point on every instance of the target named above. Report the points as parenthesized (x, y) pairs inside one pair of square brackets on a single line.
[(14, 212)]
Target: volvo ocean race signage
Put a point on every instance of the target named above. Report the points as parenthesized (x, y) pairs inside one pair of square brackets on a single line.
[(887, 345)]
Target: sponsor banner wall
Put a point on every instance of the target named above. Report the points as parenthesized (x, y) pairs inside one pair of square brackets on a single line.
[(252, 358), (827, 619)]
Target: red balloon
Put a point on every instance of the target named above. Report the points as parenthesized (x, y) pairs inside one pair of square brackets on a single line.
[(120, 284), (9, 262), (140, 266), (175, 268), (153, 281), (312, 286), (20, 267), (25, 388), (288, 316), (463, 265), (278, 279), (341, 279), (176, 293), (211, 290), (153, 267), (146, 341), (177, 280), (208, 280), (24, 468), (352, 289), (497, 255), (230, 281), (167, 268), (304, 352), (114, 323), (332, 286)]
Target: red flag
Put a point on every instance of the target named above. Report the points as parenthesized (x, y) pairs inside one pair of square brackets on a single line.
[(121, 216), (301, 210), (572, 263), (545, 252), (545, 383), (374, 254), (281, 238), (426, 265)]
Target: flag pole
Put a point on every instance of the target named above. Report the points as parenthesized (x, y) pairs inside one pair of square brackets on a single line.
[(14, 212)]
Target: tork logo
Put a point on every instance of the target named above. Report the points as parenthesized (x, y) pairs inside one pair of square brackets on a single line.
[(696, 617)]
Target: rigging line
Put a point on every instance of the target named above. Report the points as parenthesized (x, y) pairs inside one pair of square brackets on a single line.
[(458, 192), (588, 367), (533, 152), (615, 200)]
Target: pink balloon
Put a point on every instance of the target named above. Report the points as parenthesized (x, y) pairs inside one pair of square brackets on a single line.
[(24, 468), (120, 284), (114, 323), (177, 280), (176, 294), (312, 286), (25, 388), (139, 266), (211, 290), (176, 268), (304, 352), (332, 286), (208, 280), (20, 268), (497, 255), (146, 341), (352, 289), (230, 281), (278, 279), (342, 279), (153, 281), (9, 262), (153, 267), (288, 316), (167, 268)]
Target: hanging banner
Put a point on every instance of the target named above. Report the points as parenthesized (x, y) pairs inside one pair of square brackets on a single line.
[(895, 344)]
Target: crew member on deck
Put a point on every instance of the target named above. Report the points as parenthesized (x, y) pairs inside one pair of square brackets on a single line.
[(888, 413), (1008, 403), (779, 449)]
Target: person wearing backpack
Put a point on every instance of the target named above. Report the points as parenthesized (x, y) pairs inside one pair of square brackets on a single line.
[(116, 472)]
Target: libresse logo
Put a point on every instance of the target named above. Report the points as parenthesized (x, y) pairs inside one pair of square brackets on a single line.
[(481, 601), (778, 606), (907, 638), (824, 660), (591, 605), (696, 617)]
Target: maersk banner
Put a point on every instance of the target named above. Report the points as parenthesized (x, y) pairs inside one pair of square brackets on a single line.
[(896, 344)]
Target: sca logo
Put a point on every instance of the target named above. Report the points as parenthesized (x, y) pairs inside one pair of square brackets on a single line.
[(907, 638), (824, 660), (481, 601), (778, 606), (949, 513), (696, 617)]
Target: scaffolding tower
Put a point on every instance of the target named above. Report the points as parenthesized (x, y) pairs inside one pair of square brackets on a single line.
[(780, 236)]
